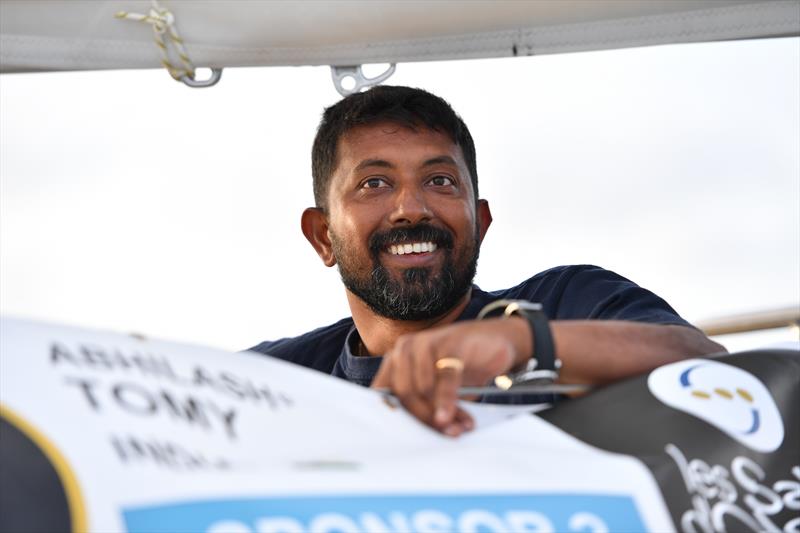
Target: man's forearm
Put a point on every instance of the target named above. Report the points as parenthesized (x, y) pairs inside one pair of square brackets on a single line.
[(601, 351), (591, 351)]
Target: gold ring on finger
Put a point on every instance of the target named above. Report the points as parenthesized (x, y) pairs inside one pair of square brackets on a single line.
[(450, 363)]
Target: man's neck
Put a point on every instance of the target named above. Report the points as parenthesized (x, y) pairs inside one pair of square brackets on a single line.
[(378, 334)]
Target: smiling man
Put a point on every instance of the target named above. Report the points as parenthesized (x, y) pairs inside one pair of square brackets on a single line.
[(397, 209)]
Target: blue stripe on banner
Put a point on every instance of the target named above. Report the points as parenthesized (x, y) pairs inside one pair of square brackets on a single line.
[(421, 513)]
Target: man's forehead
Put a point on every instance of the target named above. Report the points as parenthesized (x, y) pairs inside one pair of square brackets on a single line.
[(388, 140)]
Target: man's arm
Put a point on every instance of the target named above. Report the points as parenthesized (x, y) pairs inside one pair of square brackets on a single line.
[(602, 351), (591, 351)]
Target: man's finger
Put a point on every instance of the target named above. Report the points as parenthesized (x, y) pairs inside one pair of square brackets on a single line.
[(383, 377), (465, 419), (419, 408), (402, 379), (424, 376), (445, 395), (462, 422)]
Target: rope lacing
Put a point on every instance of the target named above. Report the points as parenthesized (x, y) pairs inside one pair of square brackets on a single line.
[(163, 22)]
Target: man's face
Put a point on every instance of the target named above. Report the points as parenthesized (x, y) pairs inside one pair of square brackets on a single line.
[(402, 220)]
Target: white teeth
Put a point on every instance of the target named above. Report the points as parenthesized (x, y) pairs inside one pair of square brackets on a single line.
[(412, 248)]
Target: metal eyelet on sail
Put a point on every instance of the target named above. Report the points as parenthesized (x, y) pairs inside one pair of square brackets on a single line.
[(354, 72)]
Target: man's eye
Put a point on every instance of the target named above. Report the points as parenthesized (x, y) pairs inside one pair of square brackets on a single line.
[(374, 183), (441, 181)]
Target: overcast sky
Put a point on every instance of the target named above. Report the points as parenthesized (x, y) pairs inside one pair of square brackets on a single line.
[(130, 202)]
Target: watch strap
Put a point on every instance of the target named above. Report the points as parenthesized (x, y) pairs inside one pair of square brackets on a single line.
[(543, 347), (543, 366)]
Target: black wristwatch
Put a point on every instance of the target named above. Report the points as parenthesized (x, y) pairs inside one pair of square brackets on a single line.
[(543, 366)]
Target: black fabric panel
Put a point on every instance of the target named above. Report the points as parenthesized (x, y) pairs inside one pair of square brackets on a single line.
[(32, 498), (626, 418)]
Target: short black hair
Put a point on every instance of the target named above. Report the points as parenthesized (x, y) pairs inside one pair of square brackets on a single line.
[(406, 106)]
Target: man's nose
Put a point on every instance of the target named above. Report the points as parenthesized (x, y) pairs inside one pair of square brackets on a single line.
[(410, 207)]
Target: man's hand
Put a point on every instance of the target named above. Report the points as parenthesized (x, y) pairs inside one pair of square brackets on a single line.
[(486, 348), (591, 351)]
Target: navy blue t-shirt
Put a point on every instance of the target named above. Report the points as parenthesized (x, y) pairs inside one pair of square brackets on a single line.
[(575, 292)]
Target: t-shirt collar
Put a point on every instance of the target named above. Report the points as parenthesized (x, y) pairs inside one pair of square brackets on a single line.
[(361, 369), (357, 369)]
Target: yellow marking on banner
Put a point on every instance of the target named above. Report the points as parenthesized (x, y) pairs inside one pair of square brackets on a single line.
[(744, 394), (701, 394), (75, 503), (724, 393)]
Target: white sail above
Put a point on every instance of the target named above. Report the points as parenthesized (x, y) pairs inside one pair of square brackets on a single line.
[(47, 35)]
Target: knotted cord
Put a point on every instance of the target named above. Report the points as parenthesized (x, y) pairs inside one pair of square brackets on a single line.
[(163, 22)]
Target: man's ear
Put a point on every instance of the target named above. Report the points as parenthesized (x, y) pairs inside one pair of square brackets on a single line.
[(315, 227), (484, 218)]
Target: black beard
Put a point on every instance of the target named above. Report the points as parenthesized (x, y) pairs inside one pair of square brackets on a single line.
[(420, 294)]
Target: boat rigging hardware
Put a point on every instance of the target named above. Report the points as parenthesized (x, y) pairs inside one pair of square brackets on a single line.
[(163, 23), (216, 74), (354, 72)]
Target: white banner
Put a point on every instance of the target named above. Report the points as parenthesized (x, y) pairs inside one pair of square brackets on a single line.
[(157, 436)]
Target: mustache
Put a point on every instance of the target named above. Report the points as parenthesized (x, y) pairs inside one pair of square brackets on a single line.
[(422, 232)]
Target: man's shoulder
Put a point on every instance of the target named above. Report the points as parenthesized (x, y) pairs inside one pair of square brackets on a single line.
[(546, 288), (318, 348), (552, 280), (571, 292)]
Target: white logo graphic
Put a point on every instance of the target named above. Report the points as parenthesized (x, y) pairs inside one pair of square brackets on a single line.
[(725, 396)]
